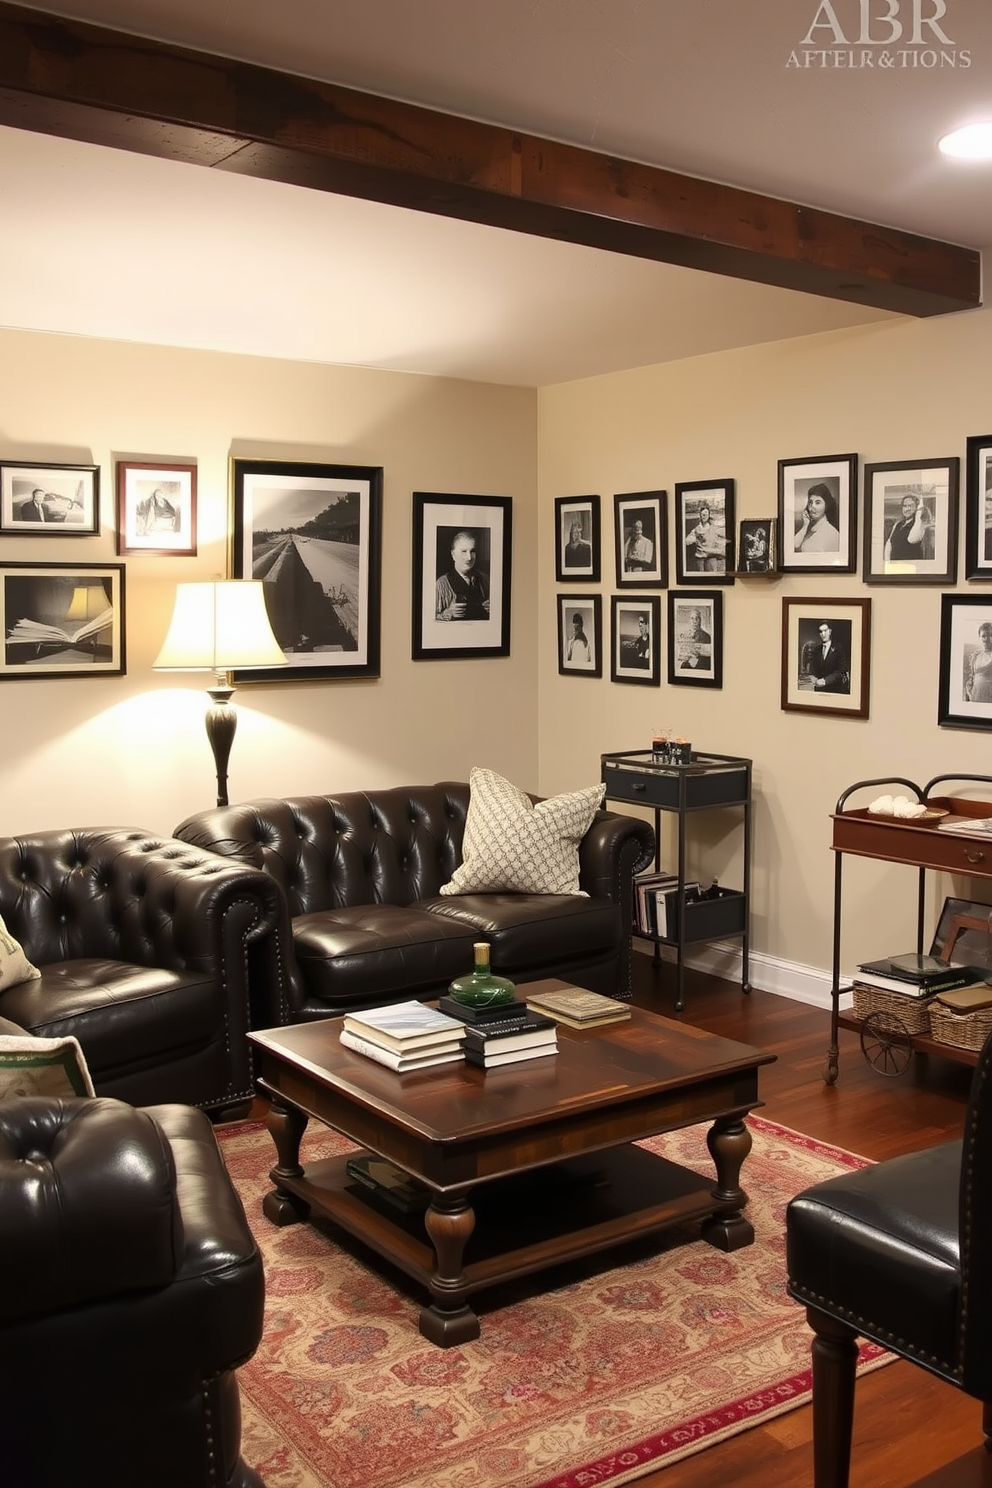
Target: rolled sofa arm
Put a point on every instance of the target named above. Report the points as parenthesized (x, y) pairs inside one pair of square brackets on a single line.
[(612, 851), (87, 1194)]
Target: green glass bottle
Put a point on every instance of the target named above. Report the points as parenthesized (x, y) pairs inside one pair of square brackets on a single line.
[(481, 989)]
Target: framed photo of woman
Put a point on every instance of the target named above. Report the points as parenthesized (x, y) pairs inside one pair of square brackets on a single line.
[(911, 522), (580, 635), (965, 686), (978, 507), (704, 532), (817, 514), (577, 539)]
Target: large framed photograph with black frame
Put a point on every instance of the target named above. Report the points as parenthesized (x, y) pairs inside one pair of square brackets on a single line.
[(978, 507), (61, 620), (695, 637), (640, 526), (911, 522), (704, 532), (577, 539), (462, 550), (817, 514), (826, 656), (965, 684), (636, 639), (313, 534)]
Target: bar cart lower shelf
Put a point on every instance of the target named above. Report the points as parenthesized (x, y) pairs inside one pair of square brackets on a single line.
[(890, 1050)]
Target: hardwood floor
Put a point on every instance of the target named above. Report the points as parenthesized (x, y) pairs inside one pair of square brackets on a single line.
[(910, 1430)]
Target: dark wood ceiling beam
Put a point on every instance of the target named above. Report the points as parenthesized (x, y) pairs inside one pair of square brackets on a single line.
[(84, 82)]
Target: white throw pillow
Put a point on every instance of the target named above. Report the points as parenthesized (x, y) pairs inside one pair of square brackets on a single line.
[(512, 845), (14, 965), (42, 1066)]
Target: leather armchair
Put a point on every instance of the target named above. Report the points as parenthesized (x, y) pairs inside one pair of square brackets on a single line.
[(898, 1253), (134, 1290), (147, 949), (360, 875)]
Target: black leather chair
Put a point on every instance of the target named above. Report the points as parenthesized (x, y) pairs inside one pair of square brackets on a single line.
[(133, 1289), (899, 1253)]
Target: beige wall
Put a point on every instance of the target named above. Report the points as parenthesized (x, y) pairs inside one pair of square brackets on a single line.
[(903, 390), (133, 749)]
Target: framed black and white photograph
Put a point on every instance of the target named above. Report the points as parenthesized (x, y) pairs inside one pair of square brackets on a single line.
[(826, 656), (313, 535), (580, 635), (978, 507), (62, 620), (49, 500), (963, 935), (756, 546), (640, 527), (577, 539), (911, 522), (156, 508), (636, 639), (462, 550), (695, 638), (965, 683), (704, 532), (817, 514)]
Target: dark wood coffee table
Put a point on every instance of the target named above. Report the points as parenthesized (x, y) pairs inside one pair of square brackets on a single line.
[(527, 1165)]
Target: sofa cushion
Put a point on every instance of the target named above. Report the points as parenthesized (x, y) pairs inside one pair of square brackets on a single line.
[(123, 1015), (528, 931), (14, 964), (370, 950), (512, 844)]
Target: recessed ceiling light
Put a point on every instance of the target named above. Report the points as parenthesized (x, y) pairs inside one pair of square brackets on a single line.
[(973, 142)]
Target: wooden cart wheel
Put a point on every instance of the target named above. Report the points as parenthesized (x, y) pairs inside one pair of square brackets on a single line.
[(885, 1043)]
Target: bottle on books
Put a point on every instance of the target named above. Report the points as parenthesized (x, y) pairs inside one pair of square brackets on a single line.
[(481, 989)]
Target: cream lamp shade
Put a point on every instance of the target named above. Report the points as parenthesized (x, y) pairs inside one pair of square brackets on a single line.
[(215, 627)]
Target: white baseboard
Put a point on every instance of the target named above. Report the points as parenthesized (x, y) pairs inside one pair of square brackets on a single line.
[(768, 973)]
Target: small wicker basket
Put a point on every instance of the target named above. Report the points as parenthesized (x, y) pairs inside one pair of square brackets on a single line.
[(911, 1011), (961, 1030)]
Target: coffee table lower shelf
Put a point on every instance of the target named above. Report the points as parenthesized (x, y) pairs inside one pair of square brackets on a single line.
[(526, 1222)]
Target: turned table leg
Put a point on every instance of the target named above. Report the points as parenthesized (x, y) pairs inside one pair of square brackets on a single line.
[(448, 1319), (729, 1142), (285, 1125)]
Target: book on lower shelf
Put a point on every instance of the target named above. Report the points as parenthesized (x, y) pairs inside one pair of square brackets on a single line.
[(483, 1059), (414, 1059), (405, 1026), (388, 1183), (578, 1007)]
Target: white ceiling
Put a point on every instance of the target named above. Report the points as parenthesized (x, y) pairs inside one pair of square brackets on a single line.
[(120, 245)]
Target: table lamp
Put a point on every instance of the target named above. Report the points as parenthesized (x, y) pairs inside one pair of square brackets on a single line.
[(215, 627)]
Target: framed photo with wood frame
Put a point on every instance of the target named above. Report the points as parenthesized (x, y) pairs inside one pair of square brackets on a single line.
[(577, 545), (156, 508), (49, 500), (313, 534), (964, 934), (911, 522), (817, 514), (695, 637), (826, 656), (704, 532), (636, 639), (640, 527), (978, 507), (462, 551), (62, 620), (965, 682), (580, 635)]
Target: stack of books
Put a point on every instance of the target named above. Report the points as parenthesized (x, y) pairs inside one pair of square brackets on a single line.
[(405, 1036), (510, 1040), (577, 1008), (917, 975)]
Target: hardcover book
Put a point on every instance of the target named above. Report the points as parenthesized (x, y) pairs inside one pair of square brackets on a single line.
[(510, 1056), (500, 1012), (956, 976), (389, 1183), (415, 1059), (404, 1025), (540, 1031), (578, 1006)]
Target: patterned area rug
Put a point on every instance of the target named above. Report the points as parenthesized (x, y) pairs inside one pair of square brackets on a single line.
[(626, 1364)]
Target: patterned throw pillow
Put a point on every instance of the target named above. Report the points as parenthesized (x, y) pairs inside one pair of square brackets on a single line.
[(42, 1066), (512, 845), (14, 965)]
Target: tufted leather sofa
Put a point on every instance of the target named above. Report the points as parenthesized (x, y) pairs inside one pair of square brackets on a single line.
[(360, 875), (134, 1282), (147, 948)]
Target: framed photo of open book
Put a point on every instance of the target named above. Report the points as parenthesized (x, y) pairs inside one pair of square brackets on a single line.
[(61, 620)]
